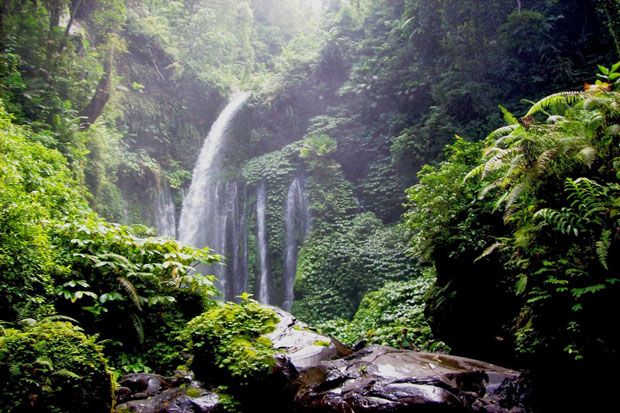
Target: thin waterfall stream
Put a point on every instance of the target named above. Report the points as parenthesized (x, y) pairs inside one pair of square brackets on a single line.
[(297, 224), (210, 213), (264, 285)]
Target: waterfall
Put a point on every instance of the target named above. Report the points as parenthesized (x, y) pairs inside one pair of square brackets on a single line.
[(264, 284), (165, 212), (211, 208), (191, 225), (297, 224)]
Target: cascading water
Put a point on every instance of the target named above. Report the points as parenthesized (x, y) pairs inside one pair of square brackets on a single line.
[(264, 283), (297, 225), (210, 215), (165, 212)]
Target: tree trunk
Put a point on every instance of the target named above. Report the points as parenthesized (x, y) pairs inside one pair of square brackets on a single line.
[(102, 94), (65, 37)]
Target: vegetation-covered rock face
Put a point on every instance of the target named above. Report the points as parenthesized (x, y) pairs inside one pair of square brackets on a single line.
[(391, 316), (54, 367)]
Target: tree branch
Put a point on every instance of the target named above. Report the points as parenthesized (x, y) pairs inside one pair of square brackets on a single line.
[(74, 9)]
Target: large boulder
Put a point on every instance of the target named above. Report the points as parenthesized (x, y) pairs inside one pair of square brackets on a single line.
[(320, 374), (302, 346), (314, 373), (383, 379)]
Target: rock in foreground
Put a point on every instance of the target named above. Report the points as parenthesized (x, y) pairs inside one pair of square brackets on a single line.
[(152, 393), (314, 373), (328, 377), (383, 379)]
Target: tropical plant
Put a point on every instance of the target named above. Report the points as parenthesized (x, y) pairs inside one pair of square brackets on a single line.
[(53, 366)]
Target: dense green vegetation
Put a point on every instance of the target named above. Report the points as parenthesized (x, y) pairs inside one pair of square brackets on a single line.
[(500, 246), (228, 342), (537, 218), (52, 366), (392, 316)]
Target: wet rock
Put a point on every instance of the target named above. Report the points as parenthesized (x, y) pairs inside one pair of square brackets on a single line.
[(314, 373), (382, 379), (152, 393), (142, 385), (303, 346)]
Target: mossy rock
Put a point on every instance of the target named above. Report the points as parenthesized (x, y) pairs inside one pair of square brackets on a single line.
[(53, 367), (228, 344)]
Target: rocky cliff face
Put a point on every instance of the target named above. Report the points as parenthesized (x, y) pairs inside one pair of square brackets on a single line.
[(315, 373)]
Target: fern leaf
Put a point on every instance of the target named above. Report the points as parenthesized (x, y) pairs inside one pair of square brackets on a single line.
[(508, 116), (566, 98), (502, 132), (497, 161), (514, 194), (545, 159), (45, 361), (477, 171), (67, 374), (59, 317), (131, 291), (489, 250), (602, 248), (137, 325)]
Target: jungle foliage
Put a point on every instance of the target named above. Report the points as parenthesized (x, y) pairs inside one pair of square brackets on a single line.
[(53, 366), (536, 218), (105, 104)]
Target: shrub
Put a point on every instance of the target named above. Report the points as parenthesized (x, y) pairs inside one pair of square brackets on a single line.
[(392, 316), (227, 341), (53, 367)]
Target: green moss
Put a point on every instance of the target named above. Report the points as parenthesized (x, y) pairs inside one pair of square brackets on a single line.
[(193, 392), (53, 367), (229, 339), (322, 343)]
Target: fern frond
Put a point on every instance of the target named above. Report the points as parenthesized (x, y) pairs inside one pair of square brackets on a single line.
[(45, 361), (59, 317), (555, 119), (602, 248), (119, 258), (588, 155), (131, 291), (484, 191), (497, 161), (27, 322), (489, 250), (514, 194), (545, 158), (67, 374), (566, 98), (138, 327), (477, 171), (508, 116), (502, 132)]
